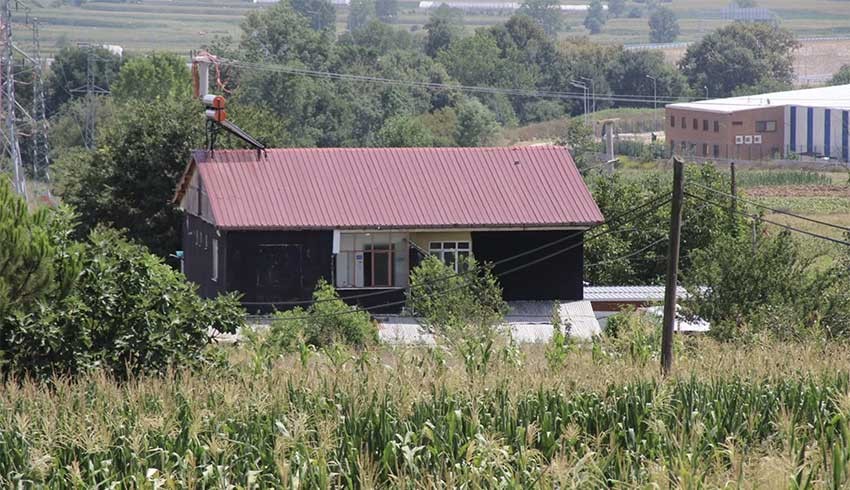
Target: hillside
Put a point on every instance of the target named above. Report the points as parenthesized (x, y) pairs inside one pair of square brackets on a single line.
[(181, 25)]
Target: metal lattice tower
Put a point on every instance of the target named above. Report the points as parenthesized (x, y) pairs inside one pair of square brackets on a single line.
[(17, 121), (9, 103), (40, 144), (91, 89)]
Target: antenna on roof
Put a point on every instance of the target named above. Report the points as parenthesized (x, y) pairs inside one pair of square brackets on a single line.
[(214, 112)]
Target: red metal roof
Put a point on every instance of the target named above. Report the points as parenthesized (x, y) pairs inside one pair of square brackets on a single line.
[(412, 188)]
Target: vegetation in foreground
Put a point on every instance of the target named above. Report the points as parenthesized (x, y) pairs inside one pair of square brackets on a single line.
[(763, 415)]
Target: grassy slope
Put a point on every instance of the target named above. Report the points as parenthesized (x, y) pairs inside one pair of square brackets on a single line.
[(180, 25)]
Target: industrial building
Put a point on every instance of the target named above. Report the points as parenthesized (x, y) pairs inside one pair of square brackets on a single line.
[(797, 123)]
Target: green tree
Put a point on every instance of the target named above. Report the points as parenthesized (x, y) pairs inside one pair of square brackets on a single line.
[(578, 137), (628, 74), (546, 13), (128, 182), (663, 26), (36, 261), (386, 10), (841, 77), (67, 307), (740, 55), (360, 13), (444, 26), (768, 286), (321, 14), (476, 125), (404, 131), (633, 254), (616, 8), (282, 35), (157, 75), (67, 77), (596, 17)]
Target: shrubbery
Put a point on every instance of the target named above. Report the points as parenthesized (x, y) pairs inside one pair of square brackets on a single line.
[(767, 287), (68, 307), (464, 310), (327, 321)]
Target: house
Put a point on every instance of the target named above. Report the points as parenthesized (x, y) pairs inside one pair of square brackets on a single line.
[(271, 224)]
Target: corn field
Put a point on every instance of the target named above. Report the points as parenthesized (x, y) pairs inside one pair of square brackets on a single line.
[(765, 416), (767, 178)]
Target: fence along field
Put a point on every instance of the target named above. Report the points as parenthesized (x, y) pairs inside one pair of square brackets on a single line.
[(768, 416)]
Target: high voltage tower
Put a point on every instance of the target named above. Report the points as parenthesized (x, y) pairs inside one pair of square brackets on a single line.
[(92, 90), (19, 66)]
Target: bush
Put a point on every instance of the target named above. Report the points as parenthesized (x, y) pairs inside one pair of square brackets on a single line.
[(769, 287), (328, 321), (106, 303), (465, 310), (635, 335)]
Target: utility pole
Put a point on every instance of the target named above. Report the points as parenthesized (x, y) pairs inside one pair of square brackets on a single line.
[(592, 92), (11, 136), (654, 101), (582, 86), (672, 266), (734, 210)]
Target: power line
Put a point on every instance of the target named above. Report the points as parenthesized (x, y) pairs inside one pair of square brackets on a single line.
[(776, 211), (351, 310), (278, 68), (655, 202), (781, 225)]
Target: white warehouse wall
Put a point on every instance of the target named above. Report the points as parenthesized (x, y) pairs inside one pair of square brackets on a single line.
[(817, 131)]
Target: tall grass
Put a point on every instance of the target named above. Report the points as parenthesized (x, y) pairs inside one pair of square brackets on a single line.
[(410, 418)]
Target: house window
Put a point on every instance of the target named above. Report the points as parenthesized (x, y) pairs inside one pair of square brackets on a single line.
[(716, 151), (672, 121), (705, 124), (704, 150), (765, 126), (716, 126), (696, 124), (372, 260), (215, 259), (453, 254), (684, 123)]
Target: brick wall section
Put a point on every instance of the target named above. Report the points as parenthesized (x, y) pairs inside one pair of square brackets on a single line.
[(704, 141)]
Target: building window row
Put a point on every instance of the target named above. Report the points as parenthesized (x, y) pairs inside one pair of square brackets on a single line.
[(695, 124), (687, 148)]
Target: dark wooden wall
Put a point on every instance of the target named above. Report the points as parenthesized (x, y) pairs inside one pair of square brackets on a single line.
[(559, 277), (197, 255), (274, 268)]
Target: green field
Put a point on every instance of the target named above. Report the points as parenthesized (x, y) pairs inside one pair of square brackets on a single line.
[(760, 416), (181, 25)]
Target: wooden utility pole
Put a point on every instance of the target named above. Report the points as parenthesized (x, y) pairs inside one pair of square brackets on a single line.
[(734, 189), (672, 266)]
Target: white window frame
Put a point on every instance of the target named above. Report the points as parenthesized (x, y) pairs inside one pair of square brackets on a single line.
[(215, 259), (441, 250), (353, 247)]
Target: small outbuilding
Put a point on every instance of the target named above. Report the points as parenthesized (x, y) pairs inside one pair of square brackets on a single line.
[(271, 224)]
